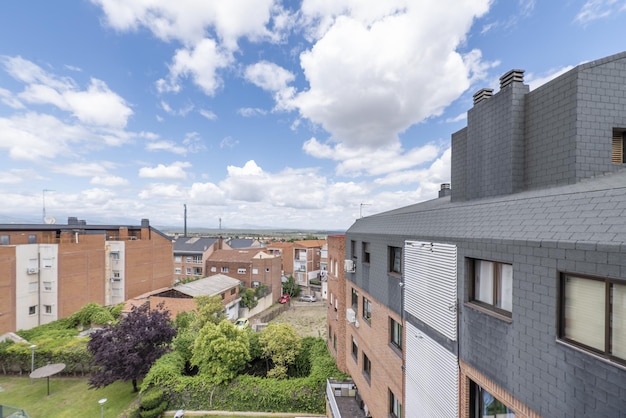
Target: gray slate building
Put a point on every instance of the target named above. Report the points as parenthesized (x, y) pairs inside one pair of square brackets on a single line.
[(512, 284)]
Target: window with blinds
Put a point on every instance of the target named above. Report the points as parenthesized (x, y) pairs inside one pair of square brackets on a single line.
[(617, 147), (593, 315)]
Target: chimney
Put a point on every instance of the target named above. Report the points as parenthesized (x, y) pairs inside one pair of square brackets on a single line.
[(445, 190), (482, 94), (510, 77)]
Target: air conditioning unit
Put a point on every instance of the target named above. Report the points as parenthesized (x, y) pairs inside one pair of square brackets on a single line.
[(350, 315), (32, 270), (349, 266)]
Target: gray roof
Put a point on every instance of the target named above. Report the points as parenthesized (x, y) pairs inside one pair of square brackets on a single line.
[(193, 245), (591, 211), (212, 285), (241, 243)]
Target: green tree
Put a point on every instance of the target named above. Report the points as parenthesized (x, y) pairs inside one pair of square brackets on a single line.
[(280, 344), (291, 287), (210, 310), (248, 298), (220, 352)]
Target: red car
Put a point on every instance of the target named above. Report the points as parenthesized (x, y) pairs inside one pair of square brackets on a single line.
[(284, 298)]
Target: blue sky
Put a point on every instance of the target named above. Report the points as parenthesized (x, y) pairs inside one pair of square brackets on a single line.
[(259, 112)]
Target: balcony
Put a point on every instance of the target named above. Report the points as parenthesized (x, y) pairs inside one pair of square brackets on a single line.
[(343, 399)]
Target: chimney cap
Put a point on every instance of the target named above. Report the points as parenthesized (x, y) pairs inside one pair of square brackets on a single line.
[(511, 76), (482, 94)]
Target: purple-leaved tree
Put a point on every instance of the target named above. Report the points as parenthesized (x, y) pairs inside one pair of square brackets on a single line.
[(126, 351)]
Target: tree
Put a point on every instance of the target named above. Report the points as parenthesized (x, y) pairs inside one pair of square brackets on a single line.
[(220, 352), (281, 344), (210, 309), (291, 287), (126, 351)]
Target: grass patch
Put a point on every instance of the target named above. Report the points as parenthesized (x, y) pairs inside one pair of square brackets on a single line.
[(69, 397)]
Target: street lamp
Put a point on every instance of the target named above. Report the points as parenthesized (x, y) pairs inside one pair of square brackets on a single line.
[(32, 360), (101, 402)]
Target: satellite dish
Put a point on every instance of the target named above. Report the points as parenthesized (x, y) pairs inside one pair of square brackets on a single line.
[(49, 220)]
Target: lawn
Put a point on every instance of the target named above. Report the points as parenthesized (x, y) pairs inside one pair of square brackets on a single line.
[(69, 397)]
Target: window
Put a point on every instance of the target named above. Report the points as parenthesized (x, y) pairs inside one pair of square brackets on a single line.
[(32, 239), (484, 405), (593, 315), (178, 270), (178, 259), (47, 309), (355, 299), (197, 259), (367, 366), (396, 333), (197, 271), (330, 331), (47, 286), (4, 240), (241, 271), (492, 285), (395, 260), (367, 309), (233, 291), (188, 259), (224, 269), (32, 310), (213, 269), (46, 263), (395, 407), (256, 271), (366, 252), (618, 146), (188, 271), (355, 349), (115, 255), (353, 249)]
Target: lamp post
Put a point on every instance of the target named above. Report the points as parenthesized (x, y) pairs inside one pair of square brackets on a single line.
[(32, 360), (101, 402)]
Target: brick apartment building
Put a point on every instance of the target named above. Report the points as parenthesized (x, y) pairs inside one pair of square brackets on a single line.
[(191, 255), (509, 290), (50, 271), (252, 267)]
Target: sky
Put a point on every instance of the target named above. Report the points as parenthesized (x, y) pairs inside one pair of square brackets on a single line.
[(259, 113)]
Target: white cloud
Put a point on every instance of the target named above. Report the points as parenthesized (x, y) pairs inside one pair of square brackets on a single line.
[(161, 190), (379, 67), (15, 176), (173, 171), (200, 62), (268, 76), (248, 112), (208, 114), (228, 142), (84, 169), (169, 146), (534, 82), (371, 161), (109, 180), (97, 105), (599, 9)]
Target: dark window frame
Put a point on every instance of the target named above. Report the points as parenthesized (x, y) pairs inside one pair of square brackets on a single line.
[(367, 367), (355, 350), (394, 260), (355, 299), (497, 283), (607, 352), (365, 247), (393, 401), (367, 310), (395, 333)]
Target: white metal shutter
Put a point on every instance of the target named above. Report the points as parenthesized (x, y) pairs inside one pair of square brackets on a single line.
[(432, 378), (430, 287)]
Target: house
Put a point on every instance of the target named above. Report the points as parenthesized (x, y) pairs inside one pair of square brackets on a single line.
[(505, 296), (252, 267), (191, 254), (284, 249), (241, 243), (49, 271), (180, 298), (307, 261)]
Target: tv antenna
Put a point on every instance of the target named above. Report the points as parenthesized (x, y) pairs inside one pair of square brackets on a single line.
[(43, 198), (361, 209)]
